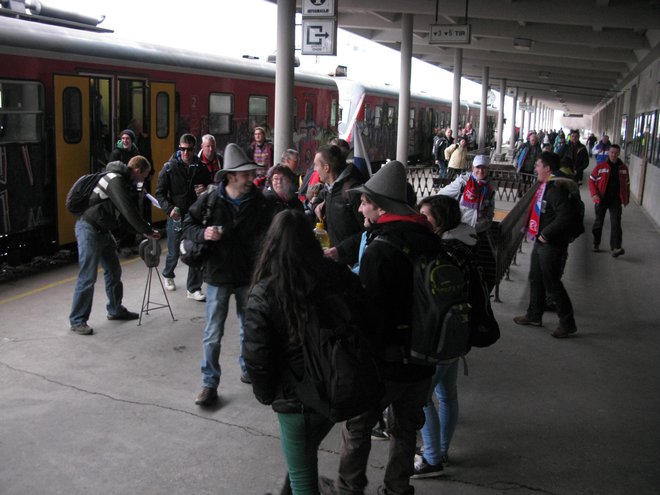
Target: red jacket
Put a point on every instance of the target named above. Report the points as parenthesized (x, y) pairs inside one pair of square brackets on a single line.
[(600, 175)]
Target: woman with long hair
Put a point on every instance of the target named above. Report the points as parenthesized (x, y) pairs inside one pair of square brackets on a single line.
[(290, 267)]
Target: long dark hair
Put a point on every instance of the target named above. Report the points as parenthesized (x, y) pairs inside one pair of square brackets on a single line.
[(292, 259), (445, 210)]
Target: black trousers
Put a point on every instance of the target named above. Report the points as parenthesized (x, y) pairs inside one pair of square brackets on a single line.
[(545, 273), (616, 234)]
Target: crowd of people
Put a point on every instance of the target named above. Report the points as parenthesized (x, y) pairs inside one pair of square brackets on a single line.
[(255, 219)]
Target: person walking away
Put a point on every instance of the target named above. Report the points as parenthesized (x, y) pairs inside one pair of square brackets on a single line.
[(182, 179), (113, 202), (244, 216), (290, 267), (549, 222), (609, 185)]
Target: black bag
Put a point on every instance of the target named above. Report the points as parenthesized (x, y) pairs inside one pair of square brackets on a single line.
[(77, 199), (440, 323), (191, 252), (341, 378), (576, 228)]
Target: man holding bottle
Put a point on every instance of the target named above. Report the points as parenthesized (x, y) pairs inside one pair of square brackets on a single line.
[(182, 179)]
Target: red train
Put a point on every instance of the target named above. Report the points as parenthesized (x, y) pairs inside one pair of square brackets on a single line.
[(65, 94)]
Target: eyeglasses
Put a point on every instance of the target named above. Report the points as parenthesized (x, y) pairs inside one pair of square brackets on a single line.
[(183, 149)]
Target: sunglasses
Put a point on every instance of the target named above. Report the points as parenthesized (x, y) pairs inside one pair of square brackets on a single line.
[(183, 148)]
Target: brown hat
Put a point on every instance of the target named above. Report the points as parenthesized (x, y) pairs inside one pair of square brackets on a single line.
[(387, 188), (236, 161)]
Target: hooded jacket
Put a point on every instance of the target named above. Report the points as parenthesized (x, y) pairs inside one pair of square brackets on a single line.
[(556, 211), (114, 201)]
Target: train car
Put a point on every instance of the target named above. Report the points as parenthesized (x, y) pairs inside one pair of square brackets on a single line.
[(65, 94), (374, 110)]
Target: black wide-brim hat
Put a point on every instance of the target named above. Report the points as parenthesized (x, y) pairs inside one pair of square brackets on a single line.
[(387, 188), (236, 160)]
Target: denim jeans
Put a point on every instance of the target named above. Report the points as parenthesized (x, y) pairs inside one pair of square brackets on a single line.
[(195, 275), (95, 247), (407, 400), (300, 436), (616, 234), (438, 429), (217, 306), (545, 273)]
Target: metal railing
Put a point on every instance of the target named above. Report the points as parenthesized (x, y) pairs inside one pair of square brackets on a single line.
[(498, 246)]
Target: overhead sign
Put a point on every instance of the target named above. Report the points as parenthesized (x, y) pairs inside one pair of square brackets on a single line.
[(319, 8), (443, 34), (319, 37)]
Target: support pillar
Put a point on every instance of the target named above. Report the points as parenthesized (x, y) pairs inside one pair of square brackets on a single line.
[(500, 118), (514, 111), (404, 88), (456, 98), (483, 114), (286, 23)]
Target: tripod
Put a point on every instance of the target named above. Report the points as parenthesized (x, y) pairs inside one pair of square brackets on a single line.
[(150, 253)]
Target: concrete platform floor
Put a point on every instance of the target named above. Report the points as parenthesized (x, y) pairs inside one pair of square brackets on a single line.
[(113, 413)]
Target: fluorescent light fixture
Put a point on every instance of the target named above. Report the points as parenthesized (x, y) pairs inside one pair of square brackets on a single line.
[(522, 43)]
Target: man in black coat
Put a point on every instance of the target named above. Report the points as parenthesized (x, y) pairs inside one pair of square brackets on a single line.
[(551, 215), (387, 275), (235, 228), (182, 179)]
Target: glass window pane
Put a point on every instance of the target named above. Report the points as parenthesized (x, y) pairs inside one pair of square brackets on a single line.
[(162, 115), (72, 115)]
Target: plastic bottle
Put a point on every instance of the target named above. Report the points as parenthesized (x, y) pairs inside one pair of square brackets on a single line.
[(176, 224), (322, 235)]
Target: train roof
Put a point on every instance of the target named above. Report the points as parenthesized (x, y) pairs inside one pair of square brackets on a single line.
[(23, 37)]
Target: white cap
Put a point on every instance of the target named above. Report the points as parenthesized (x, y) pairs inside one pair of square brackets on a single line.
[(481, 161)]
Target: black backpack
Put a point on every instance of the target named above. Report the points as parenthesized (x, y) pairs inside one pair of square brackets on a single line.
[(77, 199), (440, 322), (576, 228), (341, 378)]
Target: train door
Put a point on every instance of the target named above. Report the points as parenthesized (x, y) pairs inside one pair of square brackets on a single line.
[(72, 144), (162, 130)]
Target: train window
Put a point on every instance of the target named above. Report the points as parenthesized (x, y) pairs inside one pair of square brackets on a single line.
[(411, 119), (72, 115), (21, 112), (258, 111), (334, 110), (309, 112), (390, 116), (162, 115), (221, 113), (378, 116), (367, 113)]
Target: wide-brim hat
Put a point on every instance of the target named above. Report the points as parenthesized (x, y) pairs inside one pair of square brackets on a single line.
[(387, 188), (236, 160)]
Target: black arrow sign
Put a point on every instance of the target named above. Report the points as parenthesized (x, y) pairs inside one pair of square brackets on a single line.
[(318, 36)]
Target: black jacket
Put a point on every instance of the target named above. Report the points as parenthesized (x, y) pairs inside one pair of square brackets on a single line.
[(176, 183), (122, 154), (230, 261), (114, 202), (556, 211), (272, 360), (342, 218), (387, 275)]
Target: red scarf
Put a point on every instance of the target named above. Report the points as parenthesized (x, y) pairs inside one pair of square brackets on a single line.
[(475, 193), (535, 213), (412, 218)]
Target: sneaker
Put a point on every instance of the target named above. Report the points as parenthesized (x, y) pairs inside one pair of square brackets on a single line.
[(124, 315), (82, 329), (596, 248), (245, 378), (197, 295), (207, 396), (419, 450), (618, 252), (524, 320), (169, 284), (562, 332), (379, 434), (424, 470)]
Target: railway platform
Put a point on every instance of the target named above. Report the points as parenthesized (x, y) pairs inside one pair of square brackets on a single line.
[(114, 413)]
